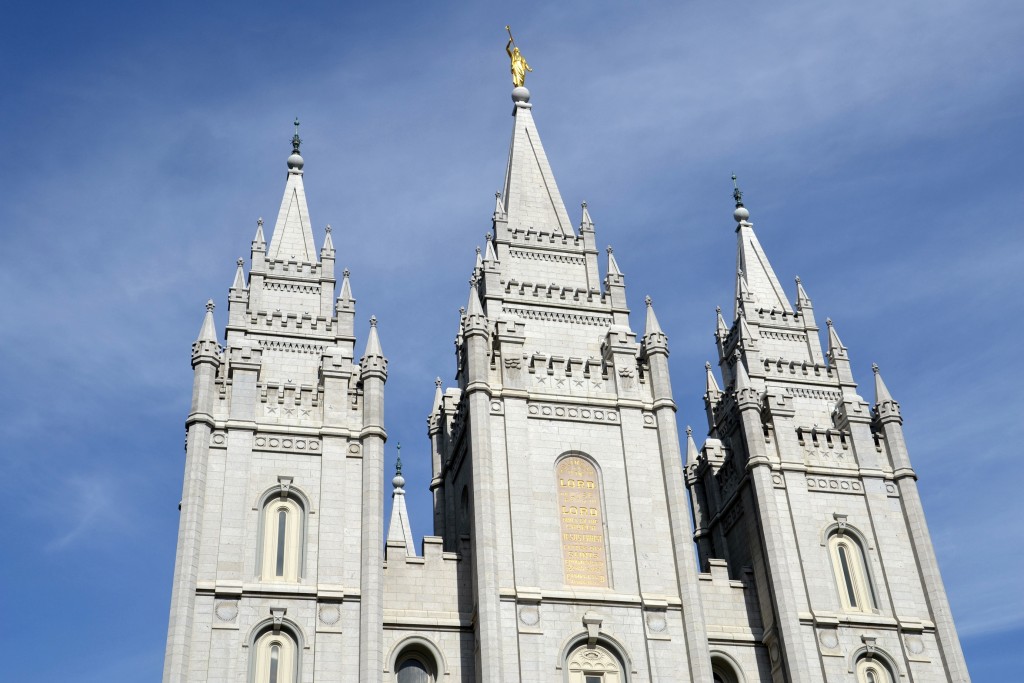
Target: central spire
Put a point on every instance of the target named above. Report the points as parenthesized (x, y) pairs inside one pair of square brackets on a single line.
[(754, 274), (293, 234), (531, 195)]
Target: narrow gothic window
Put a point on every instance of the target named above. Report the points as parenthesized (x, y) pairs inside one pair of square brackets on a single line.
[(282, 543), (855, 590), (275, 658)]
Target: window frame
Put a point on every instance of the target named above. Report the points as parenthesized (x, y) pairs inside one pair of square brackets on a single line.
[(851, 573), (296, 533)]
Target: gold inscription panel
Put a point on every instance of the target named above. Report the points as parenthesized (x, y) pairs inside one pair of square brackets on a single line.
[(579, 508)]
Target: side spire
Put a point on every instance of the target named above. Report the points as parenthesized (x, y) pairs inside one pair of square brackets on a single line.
[(836, 348), (613, 265), (885, 406), (530, 193), (652, 326), (803, 301), (293, 233), (691, 449), (399, 531), (208, 331), (758, 277), (239, 281), (710, 383), (373, 348)]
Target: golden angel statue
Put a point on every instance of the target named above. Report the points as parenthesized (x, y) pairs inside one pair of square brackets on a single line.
[(519, 65)]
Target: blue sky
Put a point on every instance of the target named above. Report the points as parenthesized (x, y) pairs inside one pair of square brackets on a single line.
[(877, 143)]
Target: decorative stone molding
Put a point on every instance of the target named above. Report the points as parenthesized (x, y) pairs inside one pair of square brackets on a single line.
[(286, 443), (277, 614), (219, 439), (835, 485), (558, 316), (529, 615), (293, 347), (272, 286), (226, 610), (592, 622), (329, 613), (575, 413), (533, 255), (650, 420)]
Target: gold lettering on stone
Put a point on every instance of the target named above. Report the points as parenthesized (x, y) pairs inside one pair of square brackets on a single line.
[(579, 508)]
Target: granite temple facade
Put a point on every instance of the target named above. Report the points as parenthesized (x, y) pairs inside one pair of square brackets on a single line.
[(579, 537)]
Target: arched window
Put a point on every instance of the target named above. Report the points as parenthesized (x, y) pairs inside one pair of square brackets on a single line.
[(276, 658), (283, 539), (722, 670), (856, 593), (872, 671), (415, 665), (594, 664)]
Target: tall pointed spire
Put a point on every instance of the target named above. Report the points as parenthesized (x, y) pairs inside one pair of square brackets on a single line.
[(691, 449), (652, 326), (328, 241), (802, 300), (437, 396), (399, 531), (530, 194), (882, 394), (885, 406), (373, 341), (293, 233), (710, 383), (490, 254), (208, 331), (836, 348), (345, 295), (613, 265), (586, 223), (758, 276), (239, 281)]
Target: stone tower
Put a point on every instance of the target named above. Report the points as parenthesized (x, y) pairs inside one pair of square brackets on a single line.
[(281, 533), (563, 548), (557, 464), (808, 489)]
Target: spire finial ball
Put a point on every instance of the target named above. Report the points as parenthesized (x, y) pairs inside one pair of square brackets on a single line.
[(240, 262), (520, 94), (874, 368), (209, 306), (647, 300), (373, 321)]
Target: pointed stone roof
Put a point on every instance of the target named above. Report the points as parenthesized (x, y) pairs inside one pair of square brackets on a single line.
[(373, 341), (438, 395), (802, 300), (259, 242), (753, 271), (586, 222), (882, 394), (328, 247), (613, 265), (652, 327), (239, 281), (531, 197), (208, 331), (836, 348), (400, 531), (293, 233), (490, 254), (721, 329), (691, 448), (346, 287), (710, 383)]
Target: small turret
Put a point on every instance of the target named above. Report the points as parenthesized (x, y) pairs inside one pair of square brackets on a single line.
[(205, 345)]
